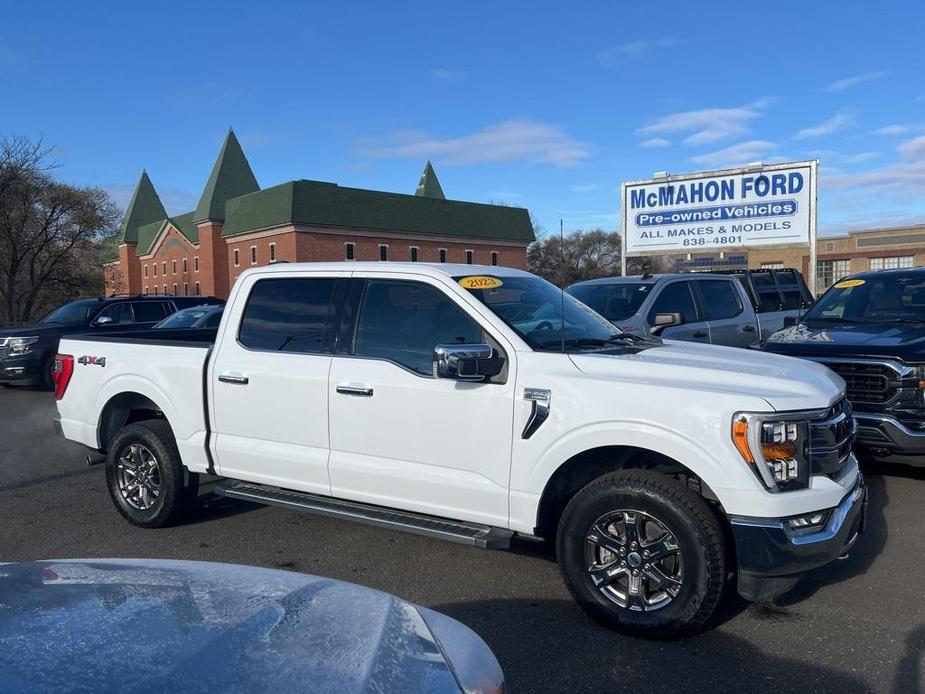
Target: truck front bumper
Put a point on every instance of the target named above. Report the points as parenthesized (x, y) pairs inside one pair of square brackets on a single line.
[(24, 369), (772, 556), (885, 439)]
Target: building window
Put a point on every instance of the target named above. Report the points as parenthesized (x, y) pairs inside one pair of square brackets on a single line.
[(154, 267), (469, 255), (772, 266), (272, 252), (197, 289), (146, 291), (237, 257), (828, 272), (155, 290), (165, 290), (164, 268), (383, 252), (829, 246), (349, 251), (146, 269), (442, 255), (175, 289), (185, 266), (186, 289), (892, 263), (196, 264), (253, 255), (494, 257), (414, 254), (174, 267)]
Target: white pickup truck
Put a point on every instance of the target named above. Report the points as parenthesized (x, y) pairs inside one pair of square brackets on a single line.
[(476, 403)]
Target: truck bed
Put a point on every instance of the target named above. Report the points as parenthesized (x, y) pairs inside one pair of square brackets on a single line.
[(177, 337)]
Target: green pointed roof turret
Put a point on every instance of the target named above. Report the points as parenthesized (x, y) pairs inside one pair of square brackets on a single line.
[(429, 186), (231, 177), (144, 208)]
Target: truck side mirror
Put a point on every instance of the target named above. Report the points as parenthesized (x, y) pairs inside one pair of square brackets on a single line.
[(791, 320), (663, 320), (103, 320), (466, 362)]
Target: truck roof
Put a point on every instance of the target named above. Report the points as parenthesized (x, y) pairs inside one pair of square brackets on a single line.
[(650, 278), (433, 269)]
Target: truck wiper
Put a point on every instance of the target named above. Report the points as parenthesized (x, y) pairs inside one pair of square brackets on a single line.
[(617, 338), (827, 319)]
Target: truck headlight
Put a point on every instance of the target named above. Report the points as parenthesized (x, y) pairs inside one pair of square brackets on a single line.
[(775, 449), (21, 345)]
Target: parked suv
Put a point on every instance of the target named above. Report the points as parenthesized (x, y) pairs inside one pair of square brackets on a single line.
[(870, 329), (27, 352), (722, 309)]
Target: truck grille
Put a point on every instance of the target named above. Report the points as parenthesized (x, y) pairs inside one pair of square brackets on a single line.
[(4, 347), (831, 438), (868, 382)]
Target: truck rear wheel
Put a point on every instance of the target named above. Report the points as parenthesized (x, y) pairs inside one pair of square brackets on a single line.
[(147, 481), (642, 554)]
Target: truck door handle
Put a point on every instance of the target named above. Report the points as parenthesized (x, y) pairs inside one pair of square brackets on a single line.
[(701, 333), (362, 391), (237, 379), (748, 328)]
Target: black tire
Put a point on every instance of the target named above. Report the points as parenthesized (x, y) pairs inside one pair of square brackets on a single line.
[(46, 380), (176, 488), (695, 539)]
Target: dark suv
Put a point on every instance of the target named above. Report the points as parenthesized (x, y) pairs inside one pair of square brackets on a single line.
[(870, 329), (27, 352)]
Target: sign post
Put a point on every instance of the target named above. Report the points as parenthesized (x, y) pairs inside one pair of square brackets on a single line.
[(753, 206)]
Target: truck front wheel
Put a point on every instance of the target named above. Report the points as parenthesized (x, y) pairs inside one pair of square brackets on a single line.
[(642, 554), (146, 479)]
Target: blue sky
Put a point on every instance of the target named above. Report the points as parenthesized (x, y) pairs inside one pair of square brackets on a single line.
[(546, 105)]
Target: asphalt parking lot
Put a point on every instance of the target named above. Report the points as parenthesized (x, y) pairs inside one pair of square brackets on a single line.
[(857, 625)]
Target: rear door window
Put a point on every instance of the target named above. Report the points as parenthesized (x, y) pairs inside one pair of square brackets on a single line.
[(675, 298), (118, 314), (719, 299), (151, 311), (292, 314)]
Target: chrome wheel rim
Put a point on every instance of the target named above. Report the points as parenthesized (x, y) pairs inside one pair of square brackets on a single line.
[(634, 560), (139, 477)]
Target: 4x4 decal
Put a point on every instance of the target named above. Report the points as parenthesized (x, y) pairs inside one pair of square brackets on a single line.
[(89, 361)]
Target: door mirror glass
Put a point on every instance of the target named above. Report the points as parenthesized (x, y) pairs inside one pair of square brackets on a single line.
[(663, 320), (463, 362), (103, 320)]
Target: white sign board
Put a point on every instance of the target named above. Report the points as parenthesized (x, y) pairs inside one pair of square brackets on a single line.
[(718, 210)]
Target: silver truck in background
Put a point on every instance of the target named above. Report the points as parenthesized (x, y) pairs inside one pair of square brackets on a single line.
[(733, 309)]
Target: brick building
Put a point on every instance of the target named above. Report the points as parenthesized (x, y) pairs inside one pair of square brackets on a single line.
[(238, 225)]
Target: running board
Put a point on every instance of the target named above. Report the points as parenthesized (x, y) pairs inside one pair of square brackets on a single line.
[(484, 536)]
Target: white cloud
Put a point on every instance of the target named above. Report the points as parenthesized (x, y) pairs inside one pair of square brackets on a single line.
[(737, 155), (899, 129), (175, 200), (445, 75), (516, 140), (708, 125), (906, 176), (655, 142), (839, 121), (615, 55), (583, 188), (855, 80), (860, 157)]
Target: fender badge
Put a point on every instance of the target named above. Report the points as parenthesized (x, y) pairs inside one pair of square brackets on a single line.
[(89, 361)]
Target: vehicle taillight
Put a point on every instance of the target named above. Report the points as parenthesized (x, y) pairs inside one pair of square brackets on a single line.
[(64, 368)]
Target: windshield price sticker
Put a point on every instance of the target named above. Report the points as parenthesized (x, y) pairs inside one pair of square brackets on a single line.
[(480, 282), (847, 284)]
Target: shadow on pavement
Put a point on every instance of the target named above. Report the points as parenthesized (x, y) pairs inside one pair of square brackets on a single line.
[(910, 673), (551, 646), (212, 507)]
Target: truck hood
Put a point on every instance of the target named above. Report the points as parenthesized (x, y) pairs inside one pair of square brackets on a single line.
[(784, 383), (897, 341), (33, 330)]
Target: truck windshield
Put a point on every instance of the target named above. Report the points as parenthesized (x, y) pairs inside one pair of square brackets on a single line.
[(616, 301), (533, 307), (74, 313), (890, 298)]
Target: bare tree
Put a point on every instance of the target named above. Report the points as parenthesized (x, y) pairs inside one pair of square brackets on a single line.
[(50, 233)]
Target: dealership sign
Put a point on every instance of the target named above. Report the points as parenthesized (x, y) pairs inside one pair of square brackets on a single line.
[(717, 210)]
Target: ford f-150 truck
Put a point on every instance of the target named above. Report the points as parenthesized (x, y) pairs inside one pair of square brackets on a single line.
[(474, 403)]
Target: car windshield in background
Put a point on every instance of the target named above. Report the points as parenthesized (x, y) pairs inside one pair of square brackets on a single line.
[(74, 313), (615, 302), (187, 318), (533, 307), (890, 298)]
